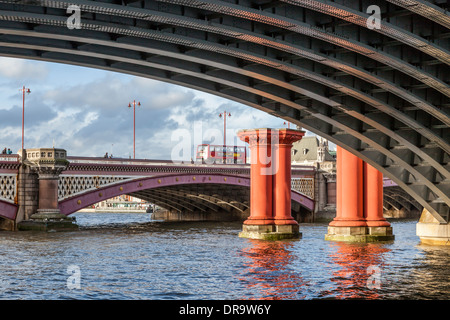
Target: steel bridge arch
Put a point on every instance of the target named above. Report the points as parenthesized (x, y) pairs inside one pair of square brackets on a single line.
[(161, 183), (396, 193), (381, 94)]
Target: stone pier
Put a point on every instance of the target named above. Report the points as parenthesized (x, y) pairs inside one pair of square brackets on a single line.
[(431, 231), (47, 164)]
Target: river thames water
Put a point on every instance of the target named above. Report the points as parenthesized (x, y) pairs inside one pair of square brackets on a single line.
[(128, 256)]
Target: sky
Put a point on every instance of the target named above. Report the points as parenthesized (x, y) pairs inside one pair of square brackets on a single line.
[(85, 111)]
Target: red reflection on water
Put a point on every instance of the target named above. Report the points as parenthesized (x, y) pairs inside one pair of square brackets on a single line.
[(269, 274), (360, 270), (356, 271)]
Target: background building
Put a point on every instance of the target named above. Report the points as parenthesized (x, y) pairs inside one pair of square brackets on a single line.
[(121, 203), (314, 151)]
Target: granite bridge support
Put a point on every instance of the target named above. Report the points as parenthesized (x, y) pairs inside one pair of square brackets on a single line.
[(431, 231), (47, 164)]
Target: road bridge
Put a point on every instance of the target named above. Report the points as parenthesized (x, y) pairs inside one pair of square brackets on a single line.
[(188, 191), (178, 187), (377, 86)]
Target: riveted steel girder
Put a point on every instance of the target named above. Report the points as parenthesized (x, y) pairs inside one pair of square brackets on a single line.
[(381, 94), (198, 198), (389, 202), (187, 195), (162, 197), (360, 18), (397, 193), (425, 9)]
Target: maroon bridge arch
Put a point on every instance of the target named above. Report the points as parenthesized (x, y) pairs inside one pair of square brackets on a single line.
[(8, 210), (75, 203)]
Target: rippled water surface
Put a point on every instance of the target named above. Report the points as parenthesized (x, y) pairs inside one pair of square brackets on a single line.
[(128, 256)]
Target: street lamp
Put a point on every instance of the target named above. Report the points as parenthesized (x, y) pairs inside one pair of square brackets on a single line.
[(224, 115), (134, 125), (27, 91)]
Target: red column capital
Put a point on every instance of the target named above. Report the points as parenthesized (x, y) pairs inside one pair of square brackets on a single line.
[(289, 136)]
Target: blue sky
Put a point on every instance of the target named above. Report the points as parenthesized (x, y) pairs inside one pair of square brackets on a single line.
[(85, 111)]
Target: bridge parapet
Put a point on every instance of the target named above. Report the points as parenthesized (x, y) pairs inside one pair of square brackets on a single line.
[(9, 171), (130, 165), (388, 183), (102, 166), (9, 163), (8, 188), (304, 186), (9, 158)]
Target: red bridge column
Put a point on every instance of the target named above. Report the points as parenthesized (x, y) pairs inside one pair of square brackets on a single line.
[(260, 179), (373, 197), (270, 184), (359, 210), (349, 177), (282, 177)]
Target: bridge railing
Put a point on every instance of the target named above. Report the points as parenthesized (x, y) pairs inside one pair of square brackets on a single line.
[(9, 158), (304, 186), (146, 162), (101, 160), (388, 182), (124, 161)]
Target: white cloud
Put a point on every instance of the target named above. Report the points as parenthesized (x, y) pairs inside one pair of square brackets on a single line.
[(87, 114), (22, 69)]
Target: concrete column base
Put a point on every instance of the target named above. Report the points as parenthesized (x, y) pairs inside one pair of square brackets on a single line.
[(431, 232), (270, 232), (48, 220), (359, 234)]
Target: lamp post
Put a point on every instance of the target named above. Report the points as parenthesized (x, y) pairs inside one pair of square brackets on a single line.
[(134, 125), (27, 91), (224, 115)]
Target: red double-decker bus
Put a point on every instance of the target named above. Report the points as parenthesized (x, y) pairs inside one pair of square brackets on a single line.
[(221, 154)]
